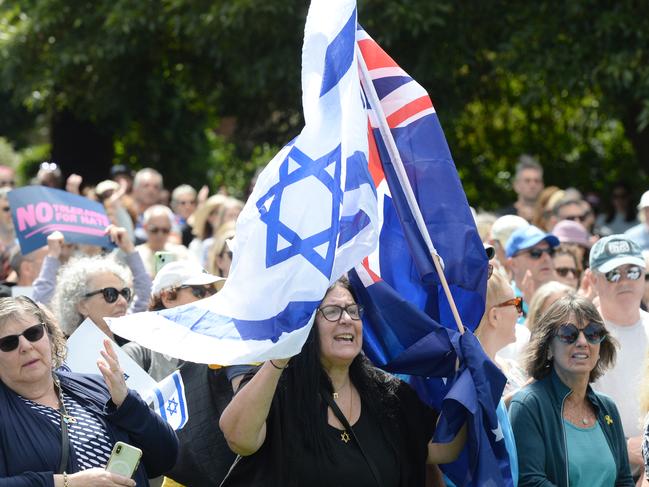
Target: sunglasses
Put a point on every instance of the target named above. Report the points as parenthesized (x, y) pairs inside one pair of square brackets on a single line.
[(593, 332), (518, 302), (32, 334), (200, 292), (111, 294), (162, 230), (334, 313), (632, 273), (564, 271), (490, 271), (536, 254), (6, 209)]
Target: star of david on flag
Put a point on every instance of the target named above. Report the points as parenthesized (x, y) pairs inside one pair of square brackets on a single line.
[(311, 217), (169, 400)]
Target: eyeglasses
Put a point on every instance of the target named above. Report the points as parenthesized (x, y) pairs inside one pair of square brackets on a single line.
[(49, 166), (490, 271), (517, 302), (564, 271), (633, 273), (11, 183), (593, 332), (200, 292), (334, 313), (6, 209), (32, 334), (111, 294), (646, 278), (536, 254), (162, 230)]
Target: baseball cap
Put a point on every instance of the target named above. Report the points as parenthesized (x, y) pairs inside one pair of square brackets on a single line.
[(613, 251), (527, 237), (644, 201), (570, 232), (504, 226), (182, 273)]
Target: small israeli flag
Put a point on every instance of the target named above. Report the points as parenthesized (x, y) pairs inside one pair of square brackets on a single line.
[(169, 400)]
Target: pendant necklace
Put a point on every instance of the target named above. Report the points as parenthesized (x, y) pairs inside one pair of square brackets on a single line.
[(62, 411), (344, 436)]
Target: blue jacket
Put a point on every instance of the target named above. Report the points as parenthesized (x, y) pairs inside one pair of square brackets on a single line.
[(30, 444), (536, 415)]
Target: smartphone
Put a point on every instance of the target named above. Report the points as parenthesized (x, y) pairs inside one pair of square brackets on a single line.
[(162, 259), (124, 459)]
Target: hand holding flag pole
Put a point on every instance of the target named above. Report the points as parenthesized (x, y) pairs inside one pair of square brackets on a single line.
[(395, 158)]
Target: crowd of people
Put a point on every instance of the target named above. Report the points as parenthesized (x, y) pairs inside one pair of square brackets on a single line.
[(565, 320)]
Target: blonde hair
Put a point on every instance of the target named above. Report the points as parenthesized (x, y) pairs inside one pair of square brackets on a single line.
[(497, 285), (223, 234)]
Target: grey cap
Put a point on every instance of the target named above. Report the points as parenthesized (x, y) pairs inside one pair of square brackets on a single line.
[(613, 251)]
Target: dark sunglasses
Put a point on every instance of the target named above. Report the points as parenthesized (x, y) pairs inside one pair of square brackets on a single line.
[(490, 271), (111, 294), (6, 209), (32, 334), (161, 230), (200, 292), (334, 313), (564, 271), (518, 302), (632, 273), (594, 333), (536, 254)]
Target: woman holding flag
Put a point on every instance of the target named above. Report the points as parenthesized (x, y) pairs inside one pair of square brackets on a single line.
[(328, 417)]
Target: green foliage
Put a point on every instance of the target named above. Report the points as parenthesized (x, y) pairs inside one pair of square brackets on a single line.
[(567, 82)]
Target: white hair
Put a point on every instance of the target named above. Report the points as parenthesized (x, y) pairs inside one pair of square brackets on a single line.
[(158, 210), (72, 285), (143, 173)]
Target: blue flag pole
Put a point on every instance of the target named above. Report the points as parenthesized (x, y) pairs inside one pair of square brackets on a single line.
[(395, 159)]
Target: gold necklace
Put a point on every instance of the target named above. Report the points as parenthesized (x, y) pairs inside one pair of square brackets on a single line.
[(344, 436)]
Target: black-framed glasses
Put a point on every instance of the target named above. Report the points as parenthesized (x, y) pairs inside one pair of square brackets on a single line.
[(518, 302), (632, 273), (564, 271), (200, 292), (34, 333), (536, 254), (111, 294), (593, 332), (333, 312)]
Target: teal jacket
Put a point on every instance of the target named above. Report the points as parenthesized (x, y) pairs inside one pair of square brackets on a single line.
[(536, 415)]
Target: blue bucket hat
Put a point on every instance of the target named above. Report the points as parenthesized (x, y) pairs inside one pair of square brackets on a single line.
[(527, 237)]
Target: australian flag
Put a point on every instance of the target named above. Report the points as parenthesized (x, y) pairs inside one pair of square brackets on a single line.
[(311, 217), (401, 290)]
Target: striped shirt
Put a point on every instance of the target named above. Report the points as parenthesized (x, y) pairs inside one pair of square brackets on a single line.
[(87, 435)]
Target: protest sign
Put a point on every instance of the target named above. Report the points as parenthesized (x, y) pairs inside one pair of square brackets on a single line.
[(37, 211), (84, 346)]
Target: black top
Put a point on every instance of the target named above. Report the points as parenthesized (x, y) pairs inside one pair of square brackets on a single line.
[(398, 450)]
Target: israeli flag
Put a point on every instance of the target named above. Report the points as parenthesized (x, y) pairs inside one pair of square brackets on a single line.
[(311, 217), (169, 400)]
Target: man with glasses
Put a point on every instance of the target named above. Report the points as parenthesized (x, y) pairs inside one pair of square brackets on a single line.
[(529, 251), (618, 271)]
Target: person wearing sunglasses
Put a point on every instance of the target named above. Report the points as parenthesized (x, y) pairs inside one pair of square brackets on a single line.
[(58, 428), (98, 287), (496, 330), (529, 251), (327, 410), (566, 267), (567, 433), (176, 284), (618, 276), (159, 223)]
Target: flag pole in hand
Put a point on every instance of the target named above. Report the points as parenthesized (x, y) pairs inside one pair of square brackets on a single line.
[(395, 158)]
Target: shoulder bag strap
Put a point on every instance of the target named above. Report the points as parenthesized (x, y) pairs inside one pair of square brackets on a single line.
[(65, 440), (341, 417)]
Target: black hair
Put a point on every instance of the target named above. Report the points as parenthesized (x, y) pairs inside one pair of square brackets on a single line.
[(305, 381)]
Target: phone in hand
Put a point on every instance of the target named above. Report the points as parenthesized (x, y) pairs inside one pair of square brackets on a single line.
[(163, 258), (124, 459)]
